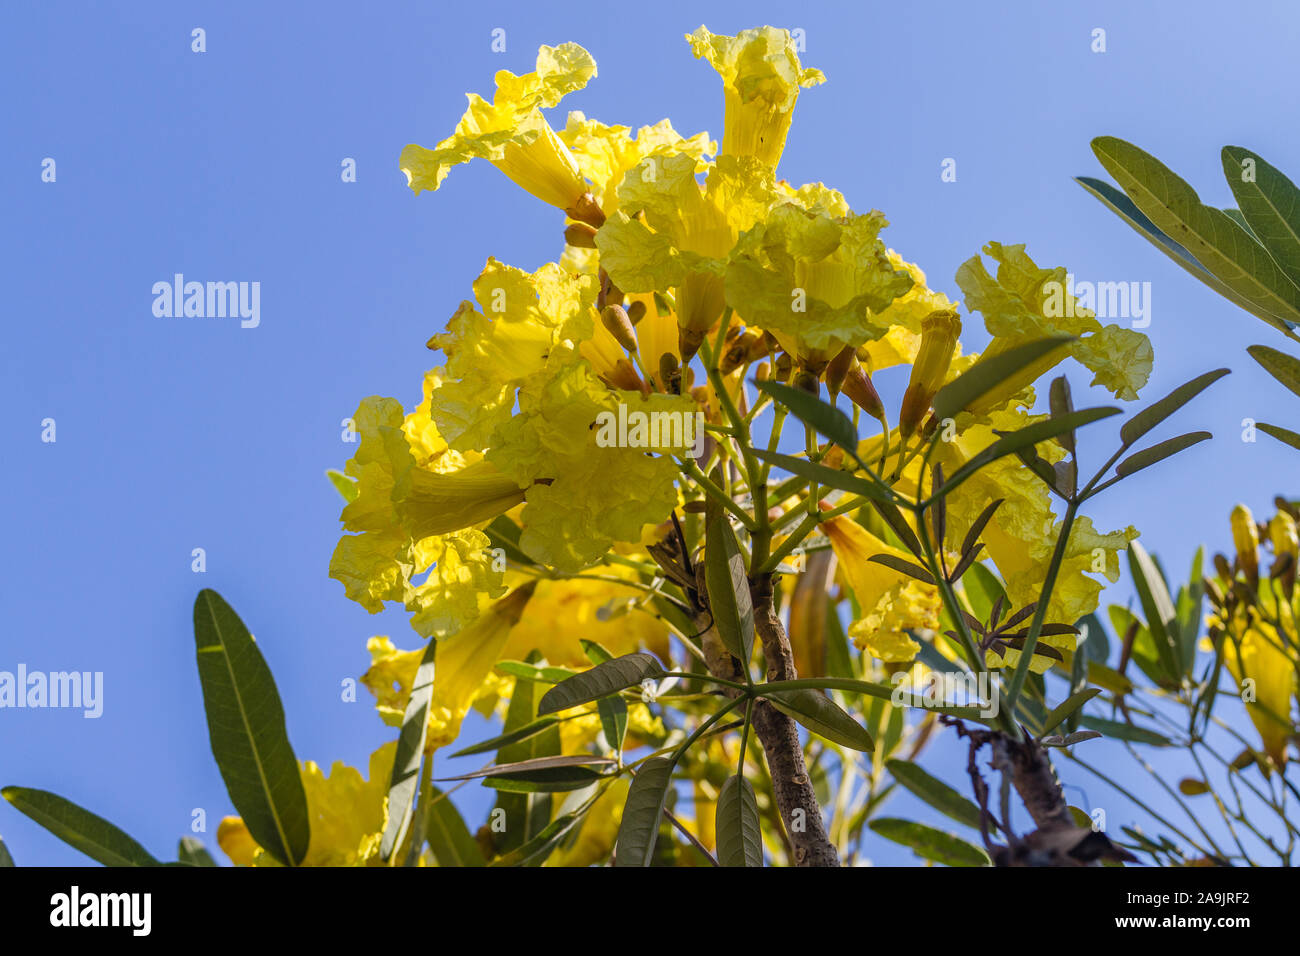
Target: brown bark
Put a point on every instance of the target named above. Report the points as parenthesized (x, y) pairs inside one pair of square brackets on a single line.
[(796, 800)]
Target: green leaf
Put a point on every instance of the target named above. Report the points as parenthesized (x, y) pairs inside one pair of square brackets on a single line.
[(728, 587), (449, 839), (504, 534), (934, 792), (639, 829), (1157, 607), (1285, 368), (1281, 434), (525, 815), (903, 566), (1021, 438), (80, 829), (193, 852), (827, 419), (526, 768), (987, 374), (1157, 412), (526, 732), (247, 732), (344, 485), (546, 780), (1124, 208), (1209, 234), (822, 475), (929, 843), (1191, 787), (818, 713), (740, 838), (601, 681), (1069, 705), (1122, 731), (405, 779), (595, 652), (982, 590), (613, 720), (6, 860), (1270, 204), (538, 848), (1158, 453)]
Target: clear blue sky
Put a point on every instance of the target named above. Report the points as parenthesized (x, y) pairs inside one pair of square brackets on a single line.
[(175, 434)]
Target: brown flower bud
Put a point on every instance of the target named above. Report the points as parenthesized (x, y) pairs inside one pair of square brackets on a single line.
[(807, 380), (783, 365), (670, 374), (763, 372), (838, 369), (636, 312), (695, 507), (737, 353), (580, 235), (586, 210), (862, 393), (615, 319)]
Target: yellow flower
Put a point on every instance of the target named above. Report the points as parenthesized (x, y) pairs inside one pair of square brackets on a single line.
[(1025, 303), (903, 318), (564, 611), (517, 336), (463, 669), (605, 154), (348, 814), (939, 332), (397, 542), (511, 132), (599, 830), (1253, 652), (814, 280), (761, 77), (891, 603), (1245, 538), (680, 233)]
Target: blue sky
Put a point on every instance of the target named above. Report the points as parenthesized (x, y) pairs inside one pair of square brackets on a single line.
[(175, 434)]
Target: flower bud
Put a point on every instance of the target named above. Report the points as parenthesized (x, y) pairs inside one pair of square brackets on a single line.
[(806, 379), (636, 312), (1282, 535), (1245, 538), (615, 320), (586, 210), (838, 369), (783, 365), (737, 353), (939, 331), (670, 373), (862, 393), (763, 372), (580, 235)]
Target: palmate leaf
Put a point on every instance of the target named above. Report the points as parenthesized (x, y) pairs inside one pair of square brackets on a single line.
[(1157, 412), (740, 837), (1122, 206), (929, 843), (601, 681), (1211, 236), (247, 732), (79, 828), (1270, 205), (639, 829)]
